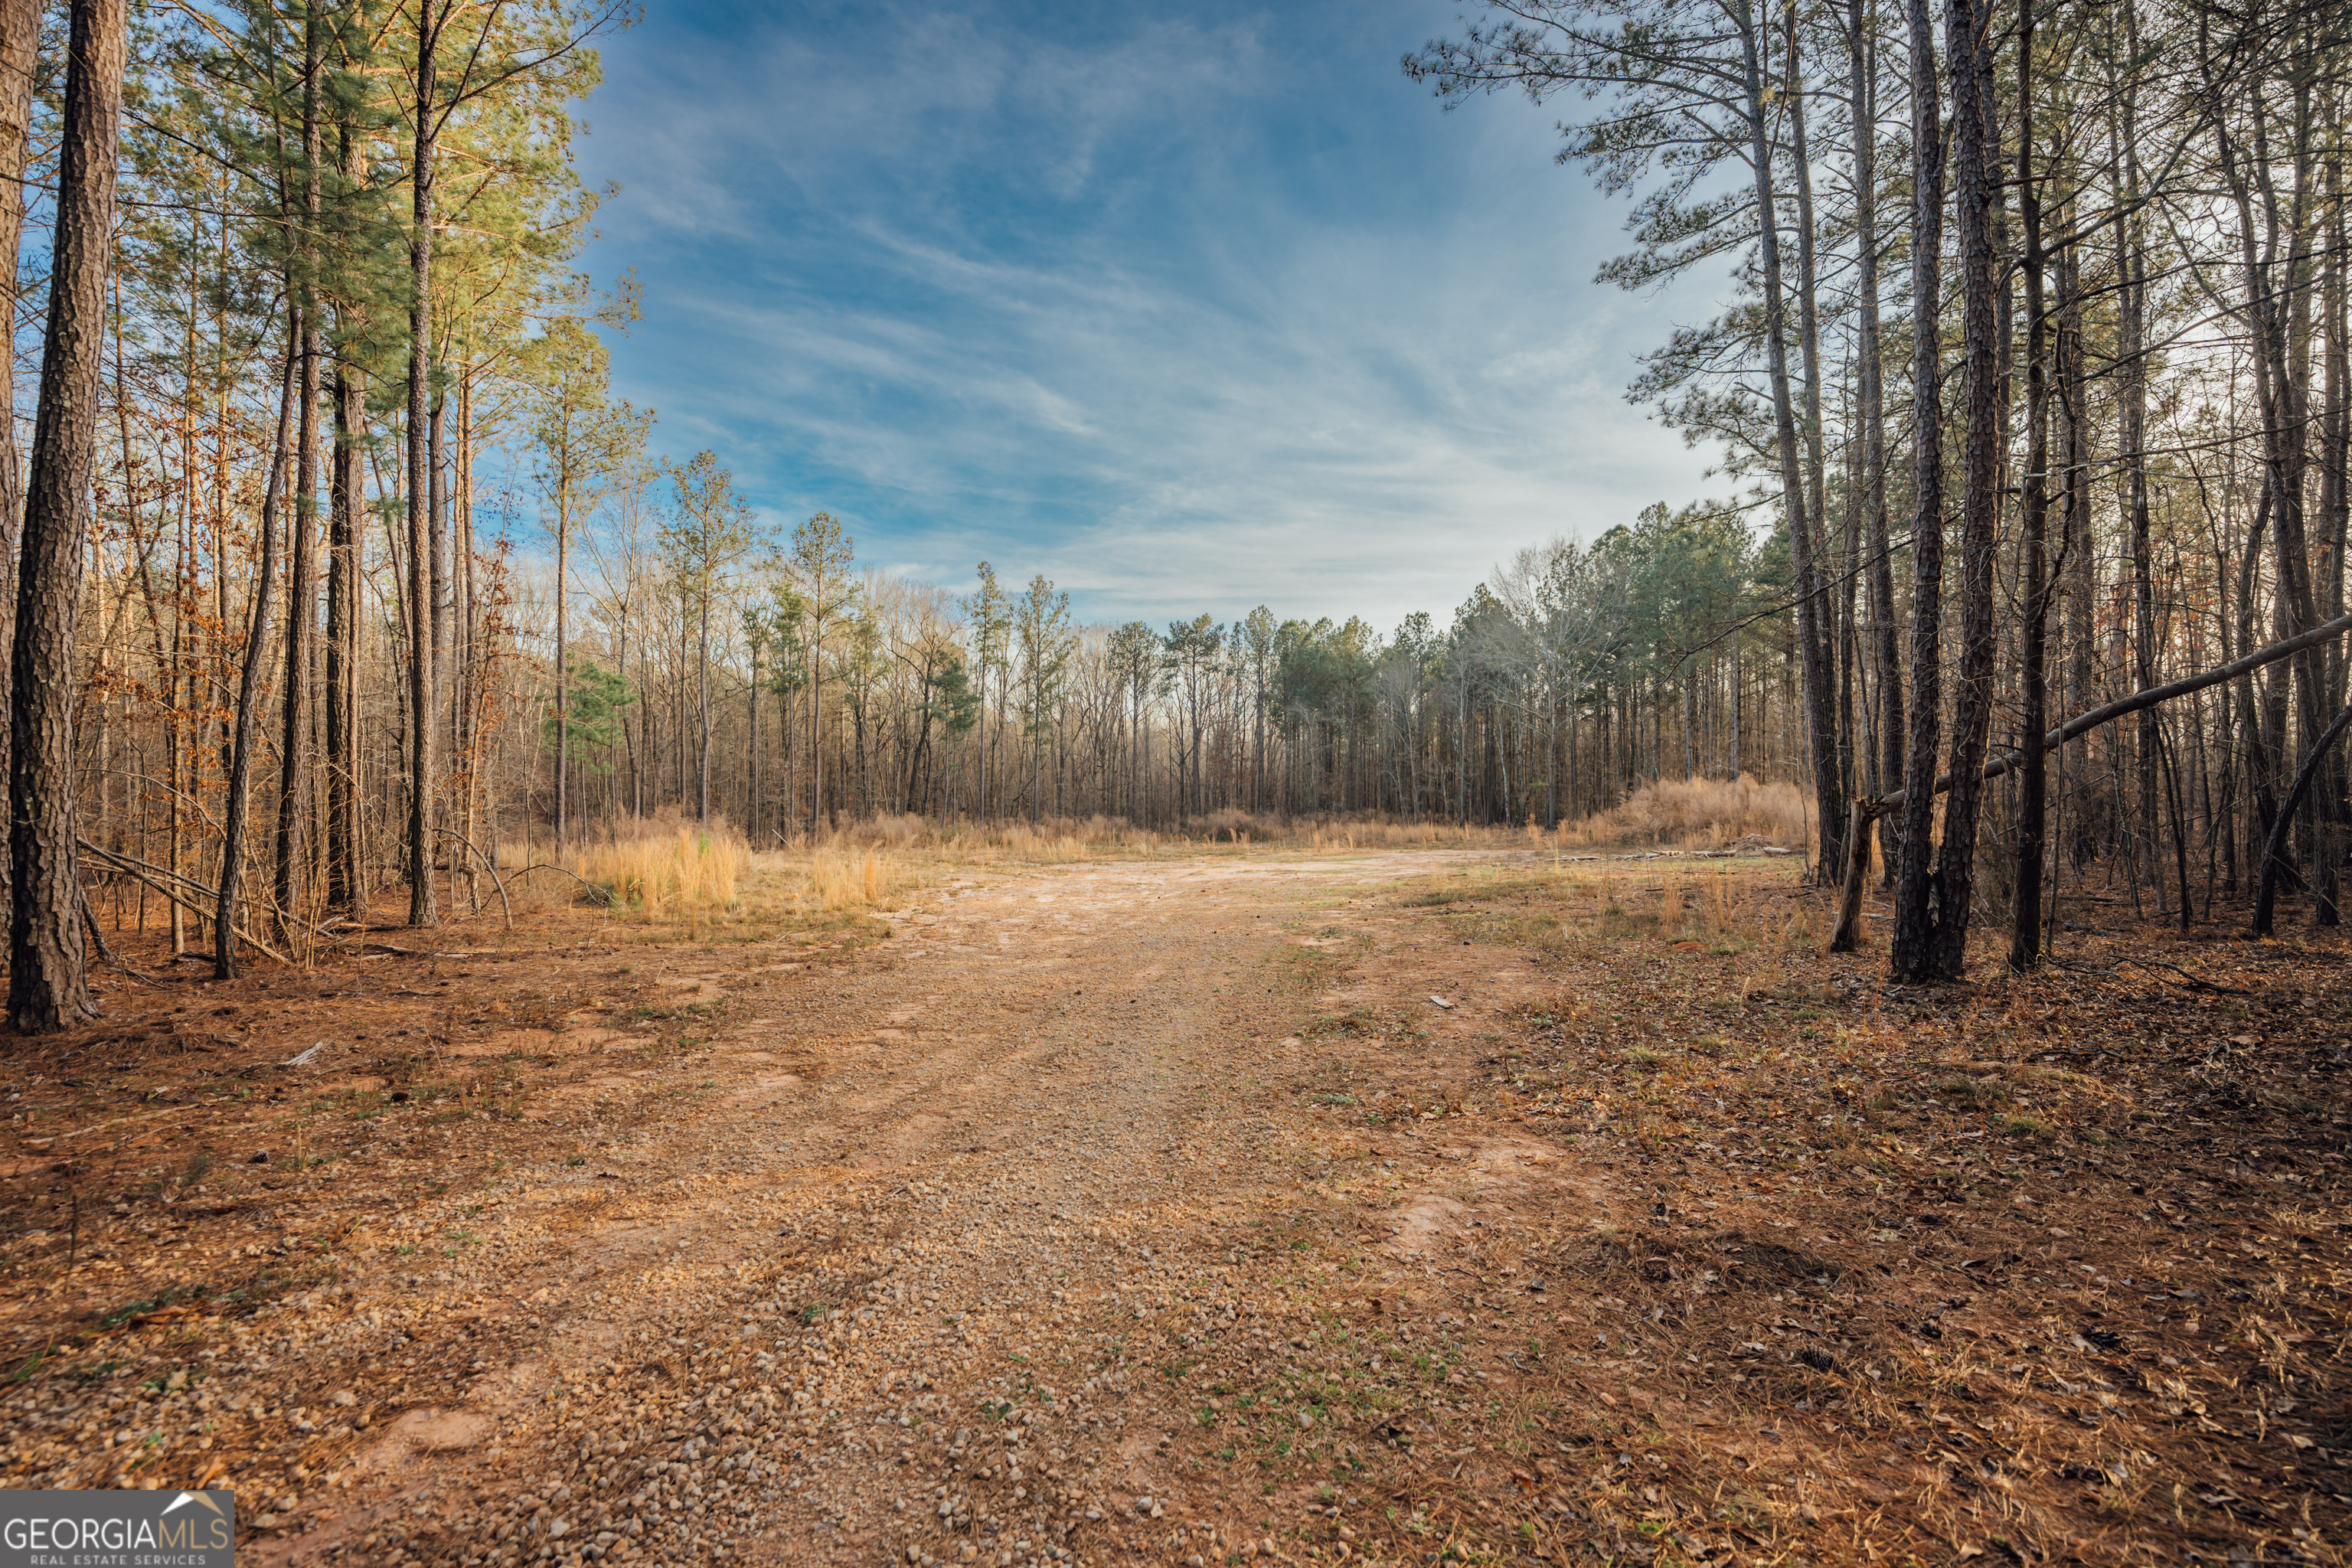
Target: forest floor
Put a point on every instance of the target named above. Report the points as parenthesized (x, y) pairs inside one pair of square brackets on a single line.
[(1222, 1206)]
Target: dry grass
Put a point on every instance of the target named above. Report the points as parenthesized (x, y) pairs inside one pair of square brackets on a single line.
[(831, 880), (1702, 814), (649, 866), (681, 867)]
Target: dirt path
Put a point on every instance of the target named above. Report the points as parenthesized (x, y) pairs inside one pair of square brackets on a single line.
[(926, 1259), (1226, 1208)]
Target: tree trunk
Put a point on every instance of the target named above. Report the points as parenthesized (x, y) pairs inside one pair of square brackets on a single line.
[(301, 584), (2274, 851), (1967, 25), (2032, 811), (346, 552), (1911, 958), (20, 37), (1812, 603), (248, 687), (1886, 763), (423, 732), (49, 986), (562, 651)]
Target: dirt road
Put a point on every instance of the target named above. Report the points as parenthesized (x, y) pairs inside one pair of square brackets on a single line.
[(961, 1254), (1401, 1208)]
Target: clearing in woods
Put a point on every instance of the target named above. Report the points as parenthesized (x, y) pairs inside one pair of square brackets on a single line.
[(1247, 1206)]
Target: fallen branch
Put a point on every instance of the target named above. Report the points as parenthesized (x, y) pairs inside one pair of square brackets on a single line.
[(602, 895), (129, 868), (1848, 934), (2195, 983), (493, 867), (106, 954)]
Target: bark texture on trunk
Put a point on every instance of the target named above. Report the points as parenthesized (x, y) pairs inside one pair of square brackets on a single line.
[(1968, 24), (249, 687), (346, 555), (1885, 651), (1812, 605), (2033, 653), (290, 872), (424, 733), (20, 37), (48, 985), (1910, 957)]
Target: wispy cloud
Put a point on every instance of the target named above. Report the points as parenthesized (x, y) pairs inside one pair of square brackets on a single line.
[(1185, 310)]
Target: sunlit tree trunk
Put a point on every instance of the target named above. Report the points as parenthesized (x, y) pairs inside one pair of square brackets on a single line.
[(49, 986)]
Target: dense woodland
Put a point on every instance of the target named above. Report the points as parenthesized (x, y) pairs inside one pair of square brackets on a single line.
[(338, 563)]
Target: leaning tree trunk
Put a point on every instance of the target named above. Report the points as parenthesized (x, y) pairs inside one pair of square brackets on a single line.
[(1847, 935), (2274, 851), (48, 987)]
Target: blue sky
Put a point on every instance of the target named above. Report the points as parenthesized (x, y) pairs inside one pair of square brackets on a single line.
[(1188, 307)]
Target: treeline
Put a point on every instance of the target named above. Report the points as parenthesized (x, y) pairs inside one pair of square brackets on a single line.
[(1558, 686)]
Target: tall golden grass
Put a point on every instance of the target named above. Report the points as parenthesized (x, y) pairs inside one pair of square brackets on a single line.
[(667, 867), (1701, 813), (830, 878)]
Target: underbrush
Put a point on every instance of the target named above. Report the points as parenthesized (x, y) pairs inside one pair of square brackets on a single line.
[(664, 867), (830, 881), (647, 867), (1702, 814)]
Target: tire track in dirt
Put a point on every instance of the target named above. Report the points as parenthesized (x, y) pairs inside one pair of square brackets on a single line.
[(871, 1286)]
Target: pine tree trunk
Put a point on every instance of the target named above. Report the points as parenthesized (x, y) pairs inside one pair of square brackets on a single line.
[(424, 730), (1969, 51), (20, 37), (1886, 761), (1812, 603), (2033, 812), (346, 556), (1910, 959), (248, 686), (49, 986), (563, 663), (302, 585)]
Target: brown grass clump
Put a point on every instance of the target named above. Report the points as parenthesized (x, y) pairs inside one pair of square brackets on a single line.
[(667, 868), (1702, 814), (832, 880)]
